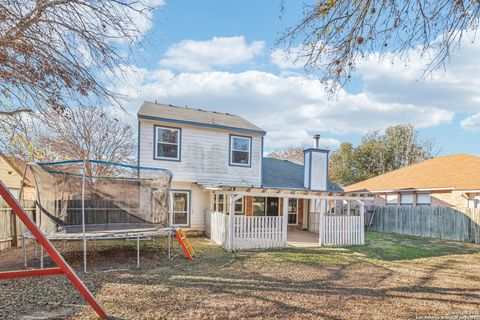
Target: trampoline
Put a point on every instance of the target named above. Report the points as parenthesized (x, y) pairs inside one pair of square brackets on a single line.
[(93, 200)]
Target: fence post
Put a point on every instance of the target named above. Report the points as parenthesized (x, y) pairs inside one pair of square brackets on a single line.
[(321, 228), (285, 221), (231, 218), (362, 222)]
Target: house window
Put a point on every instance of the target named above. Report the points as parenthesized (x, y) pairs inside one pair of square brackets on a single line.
[(259, 206), (221, 203), (423, 199), (181, 208), (240, 150), (406, 199), (292, 211), (392, 199), (167, 143), (239, 206)]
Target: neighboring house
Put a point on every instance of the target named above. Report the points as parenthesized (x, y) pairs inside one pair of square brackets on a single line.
[(11, 174), (216, 157), (449, 181)]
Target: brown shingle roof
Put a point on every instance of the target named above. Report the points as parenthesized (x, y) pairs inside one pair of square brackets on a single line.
[(158, 111), (19, 166), (458, 171)]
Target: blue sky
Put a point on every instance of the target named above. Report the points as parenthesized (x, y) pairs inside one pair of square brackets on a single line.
[(221, 55)]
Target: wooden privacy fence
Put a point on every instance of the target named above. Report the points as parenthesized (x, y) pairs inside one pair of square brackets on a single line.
[(11, 229), (342, 231), (460, 224), (248, 232)]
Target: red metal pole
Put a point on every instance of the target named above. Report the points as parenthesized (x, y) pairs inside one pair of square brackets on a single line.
[(30, 273), (50, 249)]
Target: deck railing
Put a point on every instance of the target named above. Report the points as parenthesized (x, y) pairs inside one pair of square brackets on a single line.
[(269, 232), (258, 232), (248, 232), (341, 231)]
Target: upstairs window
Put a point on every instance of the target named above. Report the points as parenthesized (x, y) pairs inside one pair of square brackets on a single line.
[(167, 143), (240, 150)]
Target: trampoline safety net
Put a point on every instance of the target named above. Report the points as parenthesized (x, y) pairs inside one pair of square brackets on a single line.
[(103, 196)]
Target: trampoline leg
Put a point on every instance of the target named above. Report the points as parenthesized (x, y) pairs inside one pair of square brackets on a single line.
[(84, 255), (24, 252), (169, 242), (138, 252), (41, 257)]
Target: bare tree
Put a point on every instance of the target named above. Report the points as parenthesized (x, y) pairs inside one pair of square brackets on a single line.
[(53, 53), (334, 34), (294, 154), (86, 133)]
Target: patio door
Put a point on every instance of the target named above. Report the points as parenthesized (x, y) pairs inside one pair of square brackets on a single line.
[(272, 206)]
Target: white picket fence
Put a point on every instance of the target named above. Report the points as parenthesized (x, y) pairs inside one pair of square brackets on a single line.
[(217, 228), (313, 221), (248, 232), (341, 231), (269, 232), (258, 232)]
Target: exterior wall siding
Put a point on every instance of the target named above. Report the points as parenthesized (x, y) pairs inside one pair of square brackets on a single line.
[(204, 156), (199, 204)]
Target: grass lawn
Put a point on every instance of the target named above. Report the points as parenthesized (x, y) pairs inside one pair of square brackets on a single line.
[(391, 277)]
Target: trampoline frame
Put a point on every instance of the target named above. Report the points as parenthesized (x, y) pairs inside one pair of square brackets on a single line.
[(84, 236)]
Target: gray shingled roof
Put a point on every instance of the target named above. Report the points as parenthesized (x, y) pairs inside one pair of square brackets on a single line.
[(196, 116), (285, 174)]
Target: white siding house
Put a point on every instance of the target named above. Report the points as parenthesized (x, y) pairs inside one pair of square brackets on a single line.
[(223, 186)]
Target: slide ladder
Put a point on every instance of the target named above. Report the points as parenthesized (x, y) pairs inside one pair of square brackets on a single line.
[(184, 242)]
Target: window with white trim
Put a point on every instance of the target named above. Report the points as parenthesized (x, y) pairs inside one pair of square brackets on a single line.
[(239, 206), (181, 208), (167, 144), (423, 199), (292, 211), (406, 199), (220, 202), (240, 148)]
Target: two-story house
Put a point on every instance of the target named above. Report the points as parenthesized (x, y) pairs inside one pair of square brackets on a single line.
[(212, 154)]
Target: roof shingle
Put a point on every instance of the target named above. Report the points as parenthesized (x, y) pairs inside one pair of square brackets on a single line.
[(196, 116), (458, 171), (284, 174)]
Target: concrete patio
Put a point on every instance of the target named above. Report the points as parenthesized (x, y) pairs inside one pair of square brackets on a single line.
[(302, 239)]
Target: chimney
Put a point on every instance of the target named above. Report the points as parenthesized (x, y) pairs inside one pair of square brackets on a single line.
[(315, 166), (316, 141)]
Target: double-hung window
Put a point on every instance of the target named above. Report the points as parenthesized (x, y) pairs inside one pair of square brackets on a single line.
[(167, 143), (240, 151), (181, 208), (239, 206), (259, 206), (292, 211)]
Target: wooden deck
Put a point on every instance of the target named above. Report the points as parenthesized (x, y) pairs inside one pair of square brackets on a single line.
[(302, 239)]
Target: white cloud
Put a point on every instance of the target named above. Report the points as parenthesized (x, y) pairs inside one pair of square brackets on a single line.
[(471, 123), (291, 108), (193, 55), (288, 60)]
